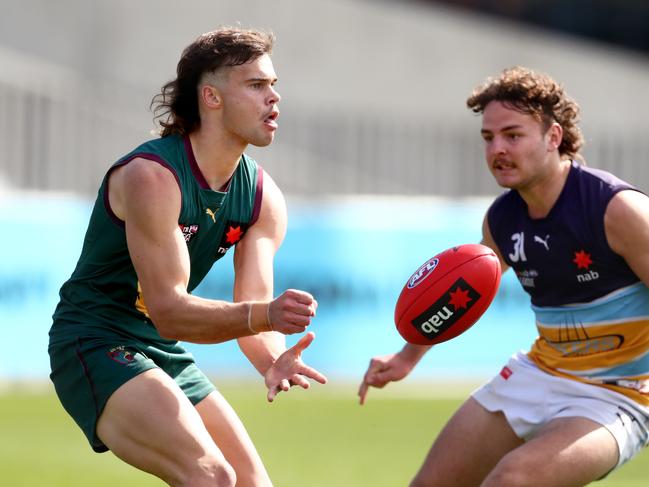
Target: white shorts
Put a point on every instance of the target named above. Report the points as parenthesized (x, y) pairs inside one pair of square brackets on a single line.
[(530, 398)]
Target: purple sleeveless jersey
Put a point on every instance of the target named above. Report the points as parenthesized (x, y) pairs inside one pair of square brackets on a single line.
[(563, 258)]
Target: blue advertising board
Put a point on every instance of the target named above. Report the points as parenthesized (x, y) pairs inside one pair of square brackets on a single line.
[(353, 255)]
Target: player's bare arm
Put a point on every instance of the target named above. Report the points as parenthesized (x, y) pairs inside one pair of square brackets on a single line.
[(146, 196), (253, 268), (253, 264), (627, 230)]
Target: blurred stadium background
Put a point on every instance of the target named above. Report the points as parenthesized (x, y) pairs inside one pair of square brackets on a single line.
[(379, 159), (378, 156)]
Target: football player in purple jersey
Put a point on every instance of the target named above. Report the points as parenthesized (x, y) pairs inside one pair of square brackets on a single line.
[(575, 406)]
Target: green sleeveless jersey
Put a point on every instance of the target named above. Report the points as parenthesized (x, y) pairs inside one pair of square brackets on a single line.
[(103, 291)]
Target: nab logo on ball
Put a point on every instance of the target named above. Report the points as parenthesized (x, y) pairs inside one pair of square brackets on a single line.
[(447, 310)]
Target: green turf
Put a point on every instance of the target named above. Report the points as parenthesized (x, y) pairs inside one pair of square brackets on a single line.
[(310, 438)]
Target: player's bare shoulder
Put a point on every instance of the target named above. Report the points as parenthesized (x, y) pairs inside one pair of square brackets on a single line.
[(140, 182), (626, 223), (626, 203), (627, 213), (273, 214)]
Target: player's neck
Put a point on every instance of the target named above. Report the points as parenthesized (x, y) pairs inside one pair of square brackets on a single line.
[(217, 156), (542, 195)]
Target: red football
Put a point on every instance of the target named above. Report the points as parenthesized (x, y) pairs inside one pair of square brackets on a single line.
[(447, 294)]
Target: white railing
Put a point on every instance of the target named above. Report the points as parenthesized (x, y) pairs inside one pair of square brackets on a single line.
[(52, 139)]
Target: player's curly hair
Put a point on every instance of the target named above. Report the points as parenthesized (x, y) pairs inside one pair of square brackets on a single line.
[(176, 106), (536, 94)]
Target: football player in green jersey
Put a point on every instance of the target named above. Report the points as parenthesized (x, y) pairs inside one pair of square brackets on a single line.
[(164, 214)]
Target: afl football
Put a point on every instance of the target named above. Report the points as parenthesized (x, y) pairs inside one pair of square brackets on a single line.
[(447, 294)]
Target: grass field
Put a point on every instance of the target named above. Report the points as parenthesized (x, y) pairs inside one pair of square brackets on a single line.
[(310, 438)]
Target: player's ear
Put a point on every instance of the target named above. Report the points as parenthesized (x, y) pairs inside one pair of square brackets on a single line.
[(555, 136), (210, 96)]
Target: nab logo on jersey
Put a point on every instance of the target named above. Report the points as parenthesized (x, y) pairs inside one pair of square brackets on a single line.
[(234, 232), (449, 308), (583, 261)]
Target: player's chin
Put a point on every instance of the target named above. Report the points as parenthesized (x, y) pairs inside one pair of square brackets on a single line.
[(506, 178), (263, 141), (506, 182)]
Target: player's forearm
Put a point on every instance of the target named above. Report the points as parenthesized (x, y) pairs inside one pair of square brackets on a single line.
[(198, 320), (414, 353), (262, 350)]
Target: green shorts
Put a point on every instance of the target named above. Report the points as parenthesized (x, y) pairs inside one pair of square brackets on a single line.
[(86, 372)]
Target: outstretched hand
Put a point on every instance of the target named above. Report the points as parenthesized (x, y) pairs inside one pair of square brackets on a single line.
[(382, 370), (289, 370)]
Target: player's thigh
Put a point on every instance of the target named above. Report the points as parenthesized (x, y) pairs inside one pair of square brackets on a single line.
[(149, 423), (468, 447), (566, 452), (232, 438)]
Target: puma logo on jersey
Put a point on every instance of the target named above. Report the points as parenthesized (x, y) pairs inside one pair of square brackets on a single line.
[(212, 213), (543, 241)]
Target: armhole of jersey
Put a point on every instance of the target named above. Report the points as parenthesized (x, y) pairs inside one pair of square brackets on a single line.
[(259, 190), (143, 155), (490, 218)]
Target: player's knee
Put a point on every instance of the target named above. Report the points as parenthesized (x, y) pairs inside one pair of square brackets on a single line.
[(210, 473), (225, 475), (222, 474)]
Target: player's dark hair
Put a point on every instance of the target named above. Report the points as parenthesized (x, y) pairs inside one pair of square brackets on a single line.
[(176, 106), (535, 94)]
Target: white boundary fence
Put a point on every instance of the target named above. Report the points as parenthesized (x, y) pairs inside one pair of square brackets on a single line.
[(59, 132)]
